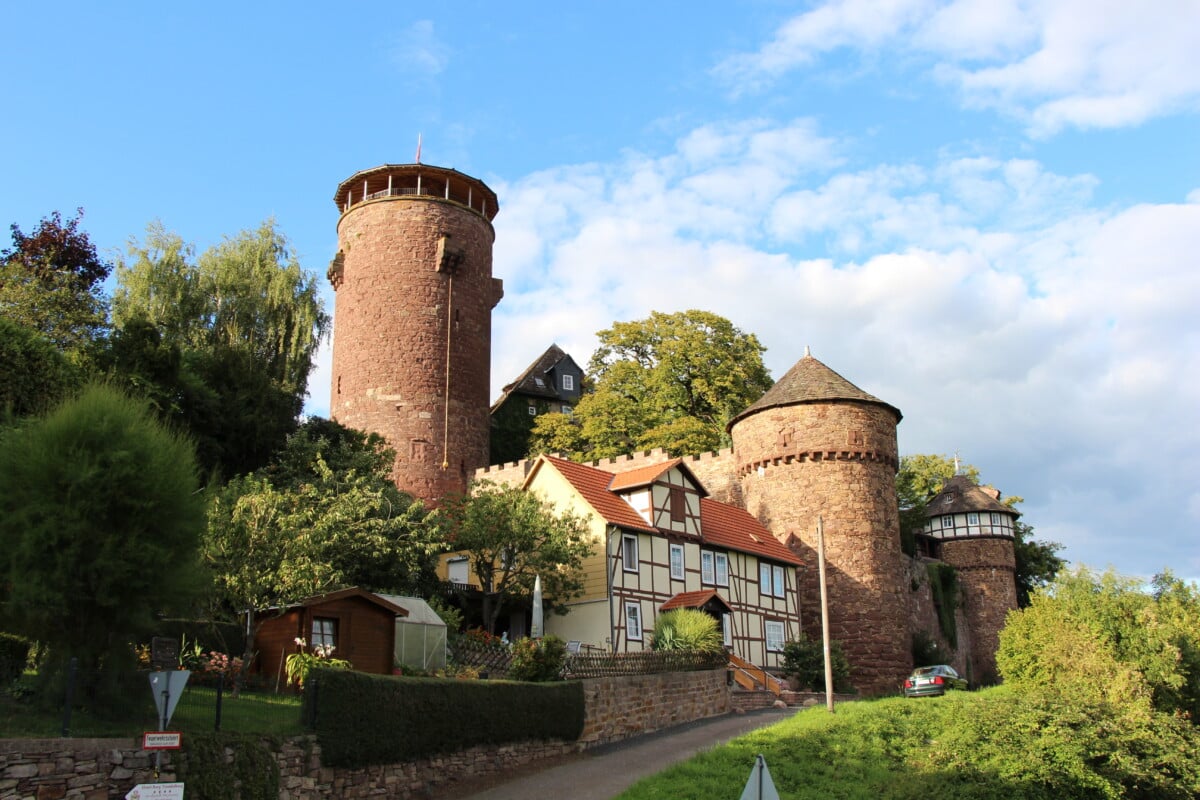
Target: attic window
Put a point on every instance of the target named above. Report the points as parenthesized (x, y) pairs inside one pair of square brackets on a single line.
[(948, 499), (568, 382), (541, 384)]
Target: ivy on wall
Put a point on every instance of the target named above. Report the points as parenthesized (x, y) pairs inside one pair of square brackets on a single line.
[(943, 584)]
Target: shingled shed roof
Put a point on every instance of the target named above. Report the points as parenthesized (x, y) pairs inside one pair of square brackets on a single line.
[(810, 381), (960, 495)]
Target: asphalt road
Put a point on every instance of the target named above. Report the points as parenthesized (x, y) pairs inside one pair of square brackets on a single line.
[(606, 771)]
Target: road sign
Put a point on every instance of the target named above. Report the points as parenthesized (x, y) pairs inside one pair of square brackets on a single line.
[(156, 791), (162, 740), (167, 686), (760, 786)]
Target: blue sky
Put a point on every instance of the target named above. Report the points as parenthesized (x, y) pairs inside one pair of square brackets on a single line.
[(985, 212)]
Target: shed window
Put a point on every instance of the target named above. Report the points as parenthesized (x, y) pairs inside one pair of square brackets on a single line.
[(324, 634)]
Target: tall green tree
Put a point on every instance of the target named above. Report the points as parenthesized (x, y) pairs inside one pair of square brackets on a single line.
[(919, 479), (246, 320), (511, 537), (324, 515), (100, 520), (34, 374), (671, 380), (51, 280)]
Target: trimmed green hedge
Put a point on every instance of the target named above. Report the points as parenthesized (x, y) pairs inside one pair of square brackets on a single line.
[(361, 720)]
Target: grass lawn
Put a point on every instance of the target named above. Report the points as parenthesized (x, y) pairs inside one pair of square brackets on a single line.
[(266, 714), (990, 744)]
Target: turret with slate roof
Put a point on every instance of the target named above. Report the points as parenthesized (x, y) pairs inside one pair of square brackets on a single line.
[(973, 531), (815, 445)]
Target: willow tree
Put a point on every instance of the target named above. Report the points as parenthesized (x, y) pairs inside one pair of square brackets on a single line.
[(247, 320)]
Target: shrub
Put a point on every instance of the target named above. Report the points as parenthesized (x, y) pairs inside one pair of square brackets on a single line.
[(538, 660), (804, 660), (687, 629), (14, 654)]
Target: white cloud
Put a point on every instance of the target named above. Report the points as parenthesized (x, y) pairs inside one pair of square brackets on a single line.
[(1051, 63), (1050, 340), (419, 52)]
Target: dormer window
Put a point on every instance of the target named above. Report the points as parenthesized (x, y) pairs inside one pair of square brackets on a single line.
[(568, 383)]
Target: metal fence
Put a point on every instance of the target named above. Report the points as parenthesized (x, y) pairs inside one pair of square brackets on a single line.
[(96, 705), (493, 661)]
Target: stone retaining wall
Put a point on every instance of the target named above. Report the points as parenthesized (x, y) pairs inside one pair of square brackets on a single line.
[(615, 709)]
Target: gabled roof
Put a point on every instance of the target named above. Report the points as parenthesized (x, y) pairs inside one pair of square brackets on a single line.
[(593, 485), (644, 476), (695, 600), (960, 494), (810, 381), (527, 381), (732, 528), (342, 594), (721, 525)]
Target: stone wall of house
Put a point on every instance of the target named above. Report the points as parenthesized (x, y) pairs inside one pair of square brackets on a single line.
[(615, 709), (414, 292)]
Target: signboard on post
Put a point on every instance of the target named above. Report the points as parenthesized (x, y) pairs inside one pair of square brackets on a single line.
[(167, 686), (156, 791), (163, 740)]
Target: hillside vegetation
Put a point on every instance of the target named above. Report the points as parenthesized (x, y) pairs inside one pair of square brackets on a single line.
[(1102, 678)]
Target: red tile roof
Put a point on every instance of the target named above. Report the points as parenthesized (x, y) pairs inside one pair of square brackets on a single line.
[(731, 527), (593, 485), (721, 525), (692, 600), (642, 475)]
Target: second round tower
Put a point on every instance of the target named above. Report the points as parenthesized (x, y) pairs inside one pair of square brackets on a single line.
[(412, 336)]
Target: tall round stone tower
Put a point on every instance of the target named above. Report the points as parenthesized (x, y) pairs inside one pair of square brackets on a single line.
[(815, 445), (413, 319), (974, 533)]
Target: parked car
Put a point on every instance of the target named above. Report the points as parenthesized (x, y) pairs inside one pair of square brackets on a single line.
[(935, 680)]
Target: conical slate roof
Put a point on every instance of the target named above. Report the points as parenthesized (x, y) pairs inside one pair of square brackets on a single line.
[(810, 381)]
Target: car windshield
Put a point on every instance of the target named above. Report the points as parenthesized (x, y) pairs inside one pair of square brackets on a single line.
[(925, 671)]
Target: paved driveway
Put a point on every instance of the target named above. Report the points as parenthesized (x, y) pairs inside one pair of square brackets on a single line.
[(605, 772)]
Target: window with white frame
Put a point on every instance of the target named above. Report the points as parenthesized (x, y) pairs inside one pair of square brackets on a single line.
[(629, 552), (972, 519), (532, 410), (633, 621), (566, 409), (458, 569), (722, 569), (780, 585), (774, 631), (677, 562), (568, 382), (995, 518), (727, 630), (708, 573), (948, 521), (764, 578)]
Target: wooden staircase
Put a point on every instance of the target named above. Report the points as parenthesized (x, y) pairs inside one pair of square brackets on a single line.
[(753, 678)]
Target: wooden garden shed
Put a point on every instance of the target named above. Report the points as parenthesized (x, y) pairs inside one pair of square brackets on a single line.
[(354, 624)]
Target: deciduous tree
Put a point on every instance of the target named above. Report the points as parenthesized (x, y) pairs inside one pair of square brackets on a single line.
[(511, 537), (51, 281), (671, 380)]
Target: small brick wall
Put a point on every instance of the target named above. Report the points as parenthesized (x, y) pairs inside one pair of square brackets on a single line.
[(616, 709)]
